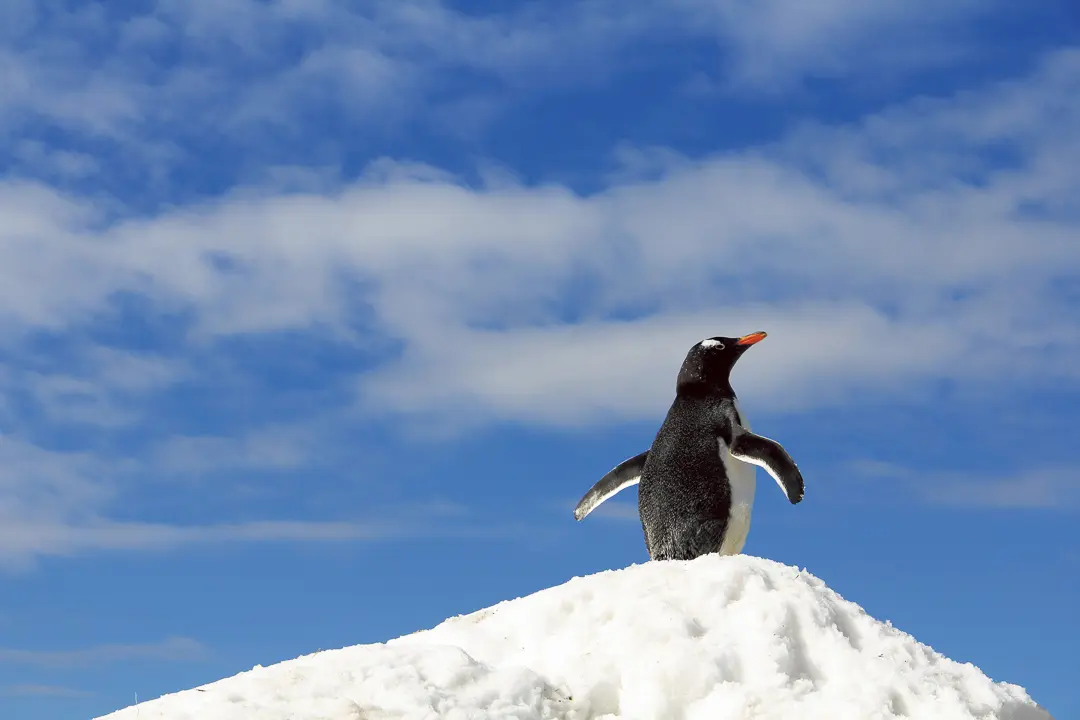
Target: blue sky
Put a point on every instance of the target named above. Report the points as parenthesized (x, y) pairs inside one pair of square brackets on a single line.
[(317, 318)]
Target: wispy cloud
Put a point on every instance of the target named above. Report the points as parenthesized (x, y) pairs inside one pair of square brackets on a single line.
[(1051, 488), (59, 504), (174, 649), (932, 240), (86, 384), (20, 542), (1047, 487), (268, 448), (37, 483), (776, 43), (42, 691), (256, 70), (897, 238)]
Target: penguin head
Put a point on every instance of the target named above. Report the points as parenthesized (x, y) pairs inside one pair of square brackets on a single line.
[(708, 364)]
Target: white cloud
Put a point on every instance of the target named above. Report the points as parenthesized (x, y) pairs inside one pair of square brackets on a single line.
[(42, 691), (55, 162), (609, 370), (35, 483), (776, 42), (98, 386), (270, 448), (1037, 487), (23, 541), (511, 301), (878, 255), (58, 503), (174, 649), (363, 83), (249, 65), (1040, 487)]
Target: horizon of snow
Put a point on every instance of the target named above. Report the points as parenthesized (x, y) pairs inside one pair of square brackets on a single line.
[(719, 637)]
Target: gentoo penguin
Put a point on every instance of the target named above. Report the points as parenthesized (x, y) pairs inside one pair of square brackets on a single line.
[(697, 480)]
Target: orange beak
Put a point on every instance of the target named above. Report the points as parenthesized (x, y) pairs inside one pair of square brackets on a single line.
[(751, 338)]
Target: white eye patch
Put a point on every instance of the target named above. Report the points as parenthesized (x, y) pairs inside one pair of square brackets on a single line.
[(712, 343)]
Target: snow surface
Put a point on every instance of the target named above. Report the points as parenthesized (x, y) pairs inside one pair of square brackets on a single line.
[(716, 637)]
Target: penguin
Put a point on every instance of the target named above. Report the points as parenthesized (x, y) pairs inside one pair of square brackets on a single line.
[(696, 482)]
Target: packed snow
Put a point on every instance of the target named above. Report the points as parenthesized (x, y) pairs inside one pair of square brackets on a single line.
[(716, 637)]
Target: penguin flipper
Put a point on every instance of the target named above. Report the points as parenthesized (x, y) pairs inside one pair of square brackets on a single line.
[(620, 477), (771, 456)]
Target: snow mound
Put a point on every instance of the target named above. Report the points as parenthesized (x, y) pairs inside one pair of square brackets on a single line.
[(716, 638)]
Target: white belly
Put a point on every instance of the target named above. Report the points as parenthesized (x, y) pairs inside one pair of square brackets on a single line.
[(743, 484), (743, 481)]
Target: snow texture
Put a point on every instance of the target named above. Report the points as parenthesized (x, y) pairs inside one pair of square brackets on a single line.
[(717, 637)]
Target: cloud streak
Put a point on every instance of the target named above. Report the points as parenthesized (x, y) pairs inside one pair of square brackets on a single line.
[(173, 649), (30, 690), (57, 504), (1053, 487), (20, 541)]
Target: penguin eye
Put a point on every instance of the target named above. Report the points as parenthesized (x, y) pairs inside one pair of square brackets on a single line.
[(710, 343)]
